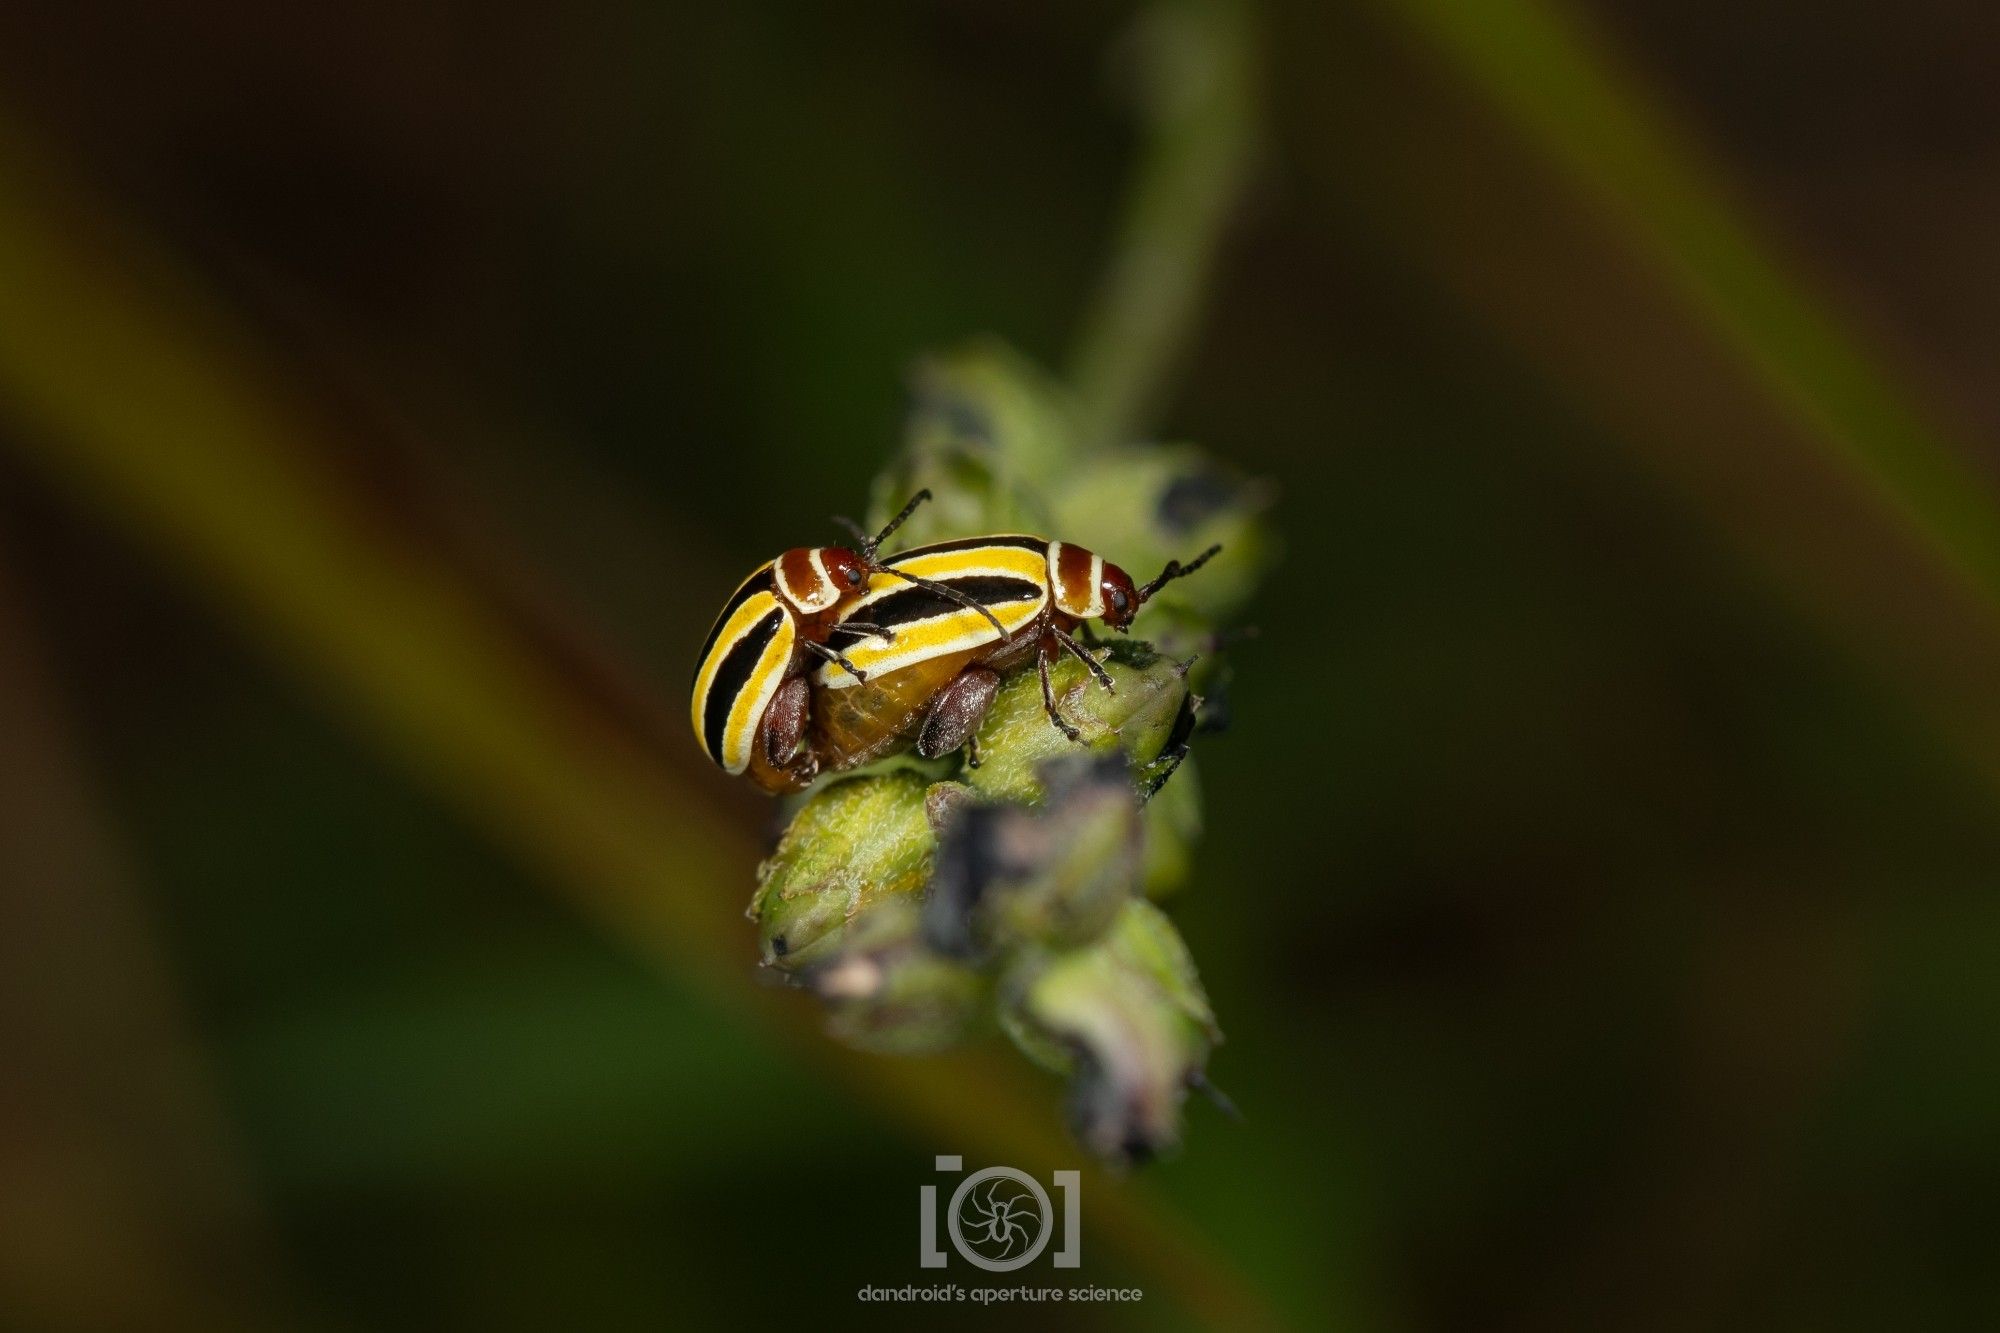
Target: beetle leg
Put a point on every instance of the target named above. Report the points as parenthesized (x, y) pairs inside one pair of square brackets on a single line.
[(1042, 661), (834, 655), (957, 711), (1096, 667), (784, 725), (882, 632)]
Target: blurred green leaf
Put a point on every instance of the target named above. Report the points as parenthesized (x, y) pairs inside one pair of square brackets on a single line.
[(1571, 97)]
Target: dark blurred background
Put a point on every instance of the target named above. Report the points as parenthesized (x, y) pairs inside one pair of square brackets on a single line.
[(1599, 887)]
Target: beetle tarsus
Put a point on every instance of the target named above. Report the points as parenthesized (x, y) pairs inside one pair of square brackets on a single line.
[(1095, 667), (1056, 718), (835, 655)]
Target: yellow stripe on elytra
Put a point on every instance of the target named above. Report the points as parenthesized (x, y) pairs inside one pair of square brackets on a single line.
[(919, 642), (740, 733), (975, 562), (741, 621)]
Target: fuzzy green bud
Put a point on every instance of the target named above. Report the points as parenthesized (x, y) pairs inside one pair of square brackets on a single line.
[(1057, 875), (852, 845), (1126, 1020), (1138, 716), (886, 990)]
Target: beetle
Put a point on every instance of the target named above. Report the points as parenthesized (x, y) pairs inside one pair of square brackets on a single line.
[(937, 670), (750, 701)]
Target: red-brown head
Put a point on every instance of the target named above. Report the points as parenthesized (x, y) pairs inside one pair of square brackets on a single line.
[(813, 580), (1120, 599), (817, 581)]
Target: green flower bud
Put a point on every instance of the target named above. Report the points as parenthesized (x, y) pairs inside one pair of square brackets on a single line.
[(885, 990), (1139, 718), (1126, 1020), (853, 844), (1057, 875)]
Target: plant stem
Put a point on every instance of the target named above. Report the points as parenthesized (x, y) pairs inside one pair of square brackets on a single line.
[(1567, 96), (1197, 64)]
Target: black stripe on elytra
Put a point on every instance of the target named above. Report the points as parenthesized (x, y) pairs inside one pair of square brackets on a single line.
[(1022, 541), (731, 677), (910, 605), (760, 581)]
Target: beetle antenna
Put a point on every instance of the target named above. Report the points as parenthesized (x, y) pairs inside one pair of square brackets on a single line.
[(1176, 570), (875, 542), (944, 590), (867, 545)]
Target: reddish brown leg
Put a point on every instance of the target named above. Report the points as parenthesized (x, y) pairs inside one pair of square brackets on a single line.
[(1044, 659), (958, 711), (784, 724), (832, 655), (1090, 663)]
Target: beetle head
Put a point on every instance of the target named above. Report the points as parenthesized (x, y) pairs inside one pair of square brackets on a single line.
[(1120, 599)]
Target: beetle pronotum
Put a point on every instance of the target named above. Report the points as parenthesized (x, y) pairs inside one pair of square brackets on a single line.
[(750, 692)]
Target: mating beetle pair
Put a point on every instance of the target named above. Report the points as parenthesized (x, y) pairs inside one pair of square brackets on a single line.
[(910, 651)]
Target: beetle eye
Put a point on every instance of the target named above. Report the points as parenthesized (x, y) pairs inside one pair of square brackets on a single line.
[(1118, 600), (852, 575)]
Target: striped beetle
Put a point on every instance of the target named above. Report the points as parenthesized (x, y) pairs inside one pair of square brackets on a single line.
[(750, 700), (940, 670)]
